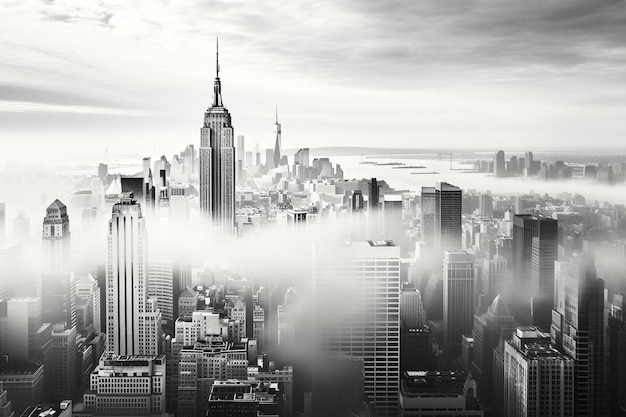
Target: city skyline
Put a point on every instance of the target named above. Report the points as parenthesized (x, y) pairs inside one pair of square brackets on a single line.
[(168, 250)]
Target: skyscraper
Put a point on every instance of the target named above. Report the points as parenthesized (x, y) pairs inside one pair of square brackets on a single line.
[(535, 243), (56, 238), (428, 208), (278, 145), (448, 202), (458, 296), (130, 318), (217, 162), (489, 328), (374, 195), (499, 167), (485, 204), (539, 380), (578, 330), (356, 294)]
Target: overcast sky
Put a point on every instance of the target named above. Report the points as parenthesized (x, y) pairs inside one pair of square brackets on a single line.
[(136, 76)]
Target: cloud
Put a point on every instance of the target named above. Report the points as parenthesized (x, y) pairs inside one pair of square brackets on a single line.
[(29, 107)]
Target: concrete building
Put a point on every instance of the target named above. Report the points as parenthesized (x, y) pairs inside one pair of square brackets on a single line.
[(458, 296), (56, 238), (578, 330), (448, 203), (217, 163), (361, 281), (538, 379), (133, 321), (125, 385), (64, 362)]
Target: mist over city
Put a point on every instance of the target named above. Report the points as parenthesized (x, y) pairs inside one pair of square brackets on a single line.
[(286, 209)]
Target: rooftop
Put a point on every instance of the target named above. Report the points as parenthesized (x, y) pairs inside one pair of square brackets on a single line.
[(433, 383)]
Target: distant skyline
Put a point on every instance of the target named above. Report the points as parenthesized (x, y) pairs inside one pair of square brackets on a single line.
[(83, 76)]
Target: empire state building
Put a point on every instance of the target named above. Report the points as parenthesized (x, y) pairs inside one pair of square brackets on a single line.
[(217, 162)]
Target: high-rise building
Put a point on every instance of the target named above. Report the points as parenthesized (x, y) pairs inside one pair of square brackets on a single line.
[(538, 379), (374, 195), (241, 150), (278, 143), (499, 167), (161, 288), (58, 298), (578, 330), (130, 317), (56, 238), (485, 204), (87, 288), (458, 296), (64, 362), (428, 212), (302, 157), (415, 336), (361, 282), (495, 324), (535, 243), (616, 375), (448, 202), (357, 203), (217, 162)]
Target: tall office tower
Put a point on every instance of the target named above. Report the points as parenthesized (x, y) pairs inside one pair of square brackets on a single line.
[(361, 280), (217, 162), (448, 202), (499, 167), (147, 163), (127, 385), (103, 171), (415, 336), (302, 157), (269, 158), (374, 195), (458, 297), (412, 312), (357, 204), (278, 142), (485, 206), (257, 154), (616, 340), (428, 209), (495, 277), (6, 409), (3, 224), (161, 283), (87, 288), (533, 270), (529, 164), (544, 252), (129, 314), (538, 379), (58, 298), (241, 150), (56, 238), (495, 324), (578, 330), (64, 362)]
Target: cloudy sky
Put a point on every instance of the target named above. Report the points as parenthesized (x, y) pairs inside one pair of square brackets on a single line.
[(136, 76)]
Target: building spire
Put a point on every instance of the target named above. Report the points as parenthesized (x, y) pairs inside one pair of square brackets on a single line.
[(217, 57), (217, 85), (277, 114)]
